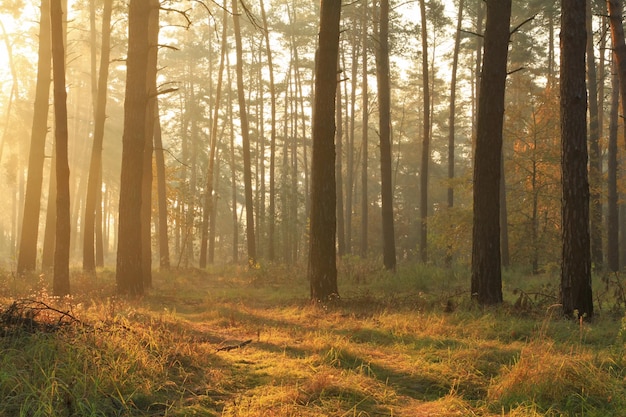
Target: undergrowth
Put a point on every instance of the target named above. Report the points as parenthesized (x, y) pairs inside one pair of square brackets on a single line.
[(229, 341)]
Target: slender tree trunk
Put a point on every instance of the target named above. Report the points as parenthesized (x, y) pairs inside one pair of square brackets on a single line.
[(94, 184), (341, 231), (576, 263), (245, 134), (164, 247), (384, 105), (47, 253), (27, 254), (612, 246), (150, 114), (452, 116), (322, 267), (61, 280), (595, 160), (208, 196), (129, 272), (504, 221), (477, 67), (272, 177), (486, 284), (425, 141), (619, 57), (364, 139), (350, 172)]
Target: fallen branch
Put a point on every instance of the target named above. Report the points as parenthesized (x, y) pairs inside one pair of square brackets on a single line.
[(231, 347)]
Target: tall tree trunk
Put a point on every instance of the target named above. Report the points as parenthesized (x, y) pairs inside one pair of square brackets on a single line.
[(425, 141), (576, 262), (612, 218), (384, 109), (486, 284), (129, 271), (47, 253), (245, 135), (272, 177), (208, 196), (94, 184), (149, 123), (478, 51), (322, 267), (595, 160), (164, 247), (350, 188), (504, 221), (452, 115), (27, 254), (364, 139), (341, 231), (233, 166), (61, 279), (619, 57)]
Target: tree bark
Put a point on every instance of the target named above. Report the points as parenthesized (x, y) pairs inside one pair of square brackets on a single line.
[(129, 270), (94, 183), (209, 207), (486, 284), (452, 115), (425, 140), (364, 139), (61, 279), (576, 262), (27, 254), (322, 268), (341, 230), (612, 217), (384, 105), (245, 135), (149, 123), (595, 160), (164, 247)]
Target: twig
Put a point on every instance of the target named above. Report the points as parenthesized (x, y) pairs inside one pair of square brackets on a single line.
[(231, 347)]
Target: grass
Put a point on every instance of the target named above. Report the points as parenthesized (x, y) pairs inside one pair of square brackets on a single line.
[(409, 344)]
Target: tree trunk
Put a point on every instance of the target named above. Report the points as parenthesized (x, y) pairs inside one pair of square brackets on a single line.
[(164, 247), (27, 254), (341, 231), (94, 183), (504, 225), (209, 207), (272, 178), (47, 253), (452, 115), (612, 217), (129, 271), (149, 123), (619, 57), (245, 136), (425, 141), (486, 285), (384, 105), (576, 263), (364, 139), (595, 160), (322, 268), (61, 279)]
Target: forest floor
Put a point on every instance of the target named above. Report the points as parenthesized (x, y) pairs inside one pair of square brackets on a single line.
[(233, 342)]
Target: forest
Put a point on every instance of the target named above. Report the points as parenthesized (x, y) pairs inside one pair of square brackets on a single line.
[(292, 208)]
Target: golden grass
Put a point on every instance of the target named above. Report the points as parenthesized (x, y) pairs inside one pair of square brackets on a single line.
[(388, 348)]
